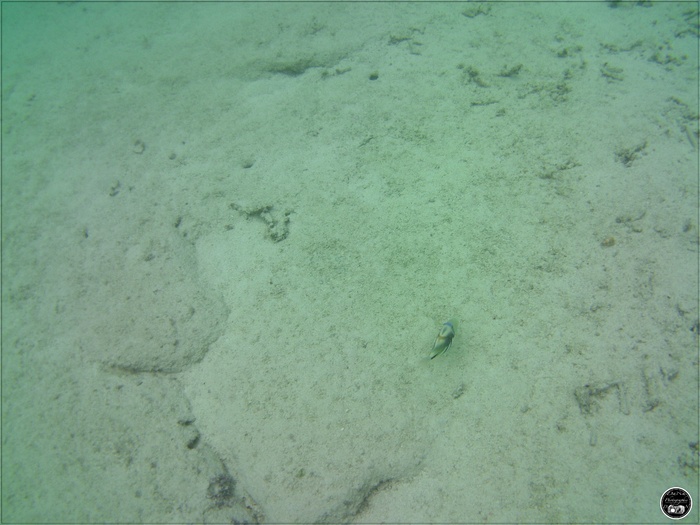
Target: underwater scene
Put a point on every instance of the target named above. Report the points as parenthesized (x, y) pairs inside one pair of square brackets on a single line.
[(347, 262)]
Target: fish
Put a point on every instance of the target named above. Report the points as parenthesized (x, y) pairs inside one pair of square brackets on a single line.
[(443, 341)]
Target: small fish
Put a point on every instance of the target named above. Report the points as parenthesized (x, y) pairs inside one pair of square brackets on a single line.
[(443, 341)]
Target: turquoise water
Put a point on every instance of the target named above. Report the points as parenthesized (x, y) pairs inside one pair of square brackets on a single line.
[(232, 233)]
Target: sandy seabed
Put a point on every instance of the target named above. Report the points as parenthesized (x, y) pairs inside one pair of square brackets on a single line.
[(231, 233)]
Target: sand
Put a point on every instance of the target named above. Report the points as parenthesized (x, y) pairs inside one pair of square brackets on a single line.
[(232, 232)]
